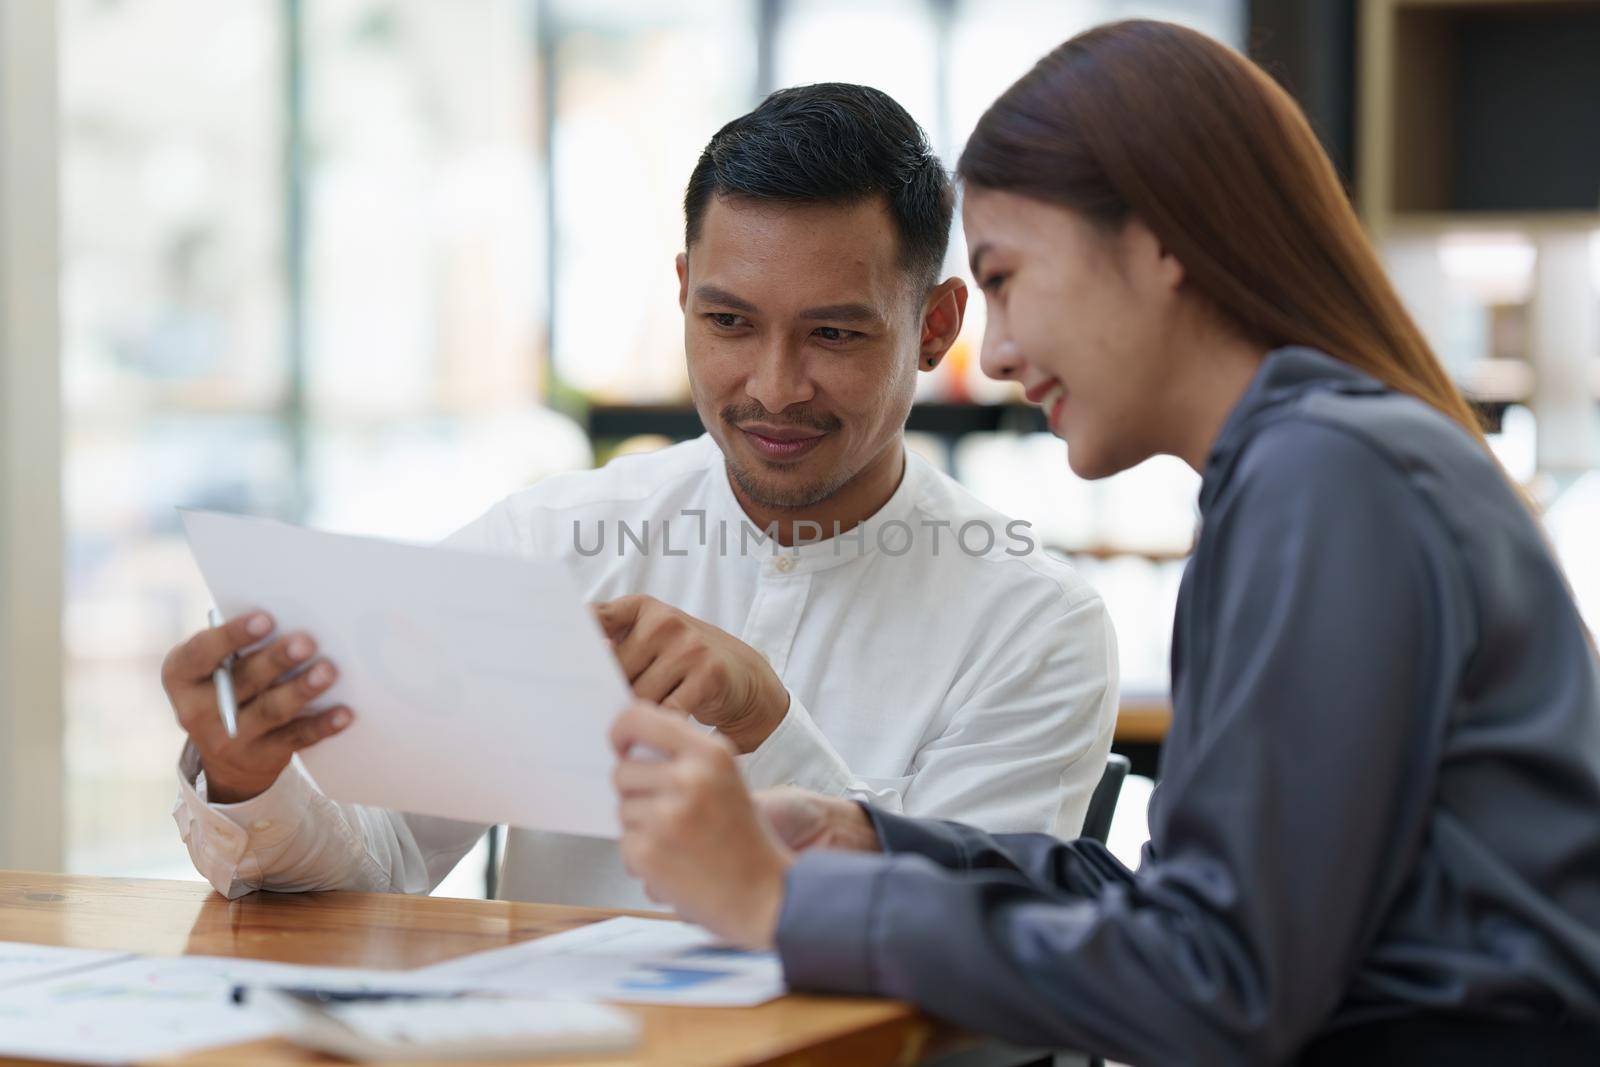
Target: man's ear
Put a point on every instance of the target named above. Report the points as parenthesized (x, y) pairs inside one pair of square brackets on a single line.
[(682, 264), (942, 315)]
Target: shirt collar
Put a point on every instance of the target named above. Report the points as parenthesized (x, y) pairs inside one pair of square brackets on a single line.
[(1284, 374), (869, 537)]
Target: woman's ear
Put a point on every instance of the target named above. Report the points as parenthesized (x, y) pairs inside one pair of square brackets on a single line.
[(1147, 260)]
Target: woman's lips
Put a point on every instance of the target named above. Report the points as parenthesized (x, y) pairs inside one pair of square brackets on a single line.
[(776, 448), (1052, 402)]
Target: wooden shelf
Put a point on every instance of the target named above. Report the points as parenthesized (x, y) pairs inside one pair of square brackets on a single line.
[(1143, 720), (1434, 224), (1473, 114)]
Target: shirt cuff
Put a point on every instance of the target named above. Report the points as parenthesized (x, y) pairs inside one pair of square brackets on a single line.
[(220, 836), (797, 753), (940, 842)]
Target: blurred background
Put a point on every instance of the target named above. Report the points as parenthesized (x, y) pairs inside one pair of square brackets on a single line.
[(373, 264)]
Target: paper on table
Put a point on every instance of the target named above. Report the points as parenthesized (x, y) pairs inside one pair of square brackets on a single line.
[(627, 959), (482, 685), (146, 1007), (22, 962)]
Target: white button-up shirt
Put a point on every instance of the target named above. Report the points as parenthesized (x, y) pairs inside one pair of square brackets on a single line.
[(938, 663)]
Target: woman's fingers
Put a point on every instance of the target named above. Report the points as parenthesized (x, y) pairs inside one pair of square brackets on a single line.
[(635, 777), (647, 726)]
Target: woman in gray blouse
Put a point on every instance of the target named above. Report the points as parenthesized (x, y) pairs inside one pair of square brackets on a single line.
[(1377, 834)]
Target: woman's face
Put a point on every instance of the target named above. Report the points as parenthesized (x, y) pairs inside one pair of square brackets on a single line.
[(1082, 315)]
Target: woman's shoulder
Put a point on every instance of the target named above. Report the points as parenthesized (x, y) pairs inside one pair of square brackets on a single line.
[(1381, 469), (1368, 444)]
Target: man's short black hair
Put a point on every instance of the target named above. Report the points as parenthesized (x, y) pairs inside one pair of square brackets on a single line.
[(832, 144)]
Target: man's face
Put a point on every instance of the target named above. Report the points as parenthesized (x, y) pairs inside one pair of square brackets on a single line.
[(802, 332)]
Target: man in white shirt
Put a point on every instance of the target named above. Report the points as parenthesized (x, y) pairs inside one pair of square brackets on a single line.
[(892, 640)]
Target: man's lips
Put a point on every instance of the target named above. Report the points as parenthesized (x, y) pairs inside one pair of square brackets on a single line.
[(781, 442), (780, 433)]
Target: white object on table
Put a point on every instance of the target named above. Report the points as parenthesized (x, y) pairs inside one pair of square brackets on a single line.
[(629, 960), (22, 962), (137, 1008), (456, 1028), (482, 686)]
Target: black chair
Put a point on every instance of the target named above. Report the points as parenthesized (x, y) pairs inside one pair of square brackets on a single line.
[(1103, 804)]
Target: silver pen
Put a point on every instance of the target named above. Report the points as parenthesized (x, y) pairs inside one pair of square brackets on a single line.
[(223, 677)]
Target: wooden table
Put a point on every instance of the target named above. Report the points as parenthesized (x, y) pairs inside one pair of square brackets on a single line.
[(387, 931)]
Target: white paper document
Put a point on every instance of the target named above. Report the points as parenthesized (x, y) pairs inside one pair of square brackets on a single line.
[(482, 685), (22, 962), (139, 1008), (627, 960)]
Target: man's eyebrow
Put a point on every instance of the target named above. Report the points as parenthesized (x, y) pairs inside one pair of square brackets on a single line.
[(710, 294), (857, 313), (977, 255)]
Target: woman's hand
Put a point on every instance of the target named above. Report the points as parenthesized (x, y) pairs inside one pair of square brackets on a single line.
[(690, 830), (805, 820)]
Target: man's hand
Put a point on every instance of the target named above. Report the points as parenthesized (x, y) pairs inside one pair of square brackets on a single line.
[(804, 820), (675, 660), (271, 729), (690, 831)]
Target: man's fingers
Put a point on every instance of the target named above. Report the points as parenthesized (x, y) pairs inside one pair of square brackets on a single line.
[(618, 616), (692, 696), (198, 657), (648, 726), (307, 731), (278, 705), (255, 673), (195, 706), (635, 653), (664, 674)]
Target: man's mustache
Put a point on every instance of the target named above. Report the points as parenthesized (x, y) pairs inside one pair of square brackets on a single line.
[(737, 414)]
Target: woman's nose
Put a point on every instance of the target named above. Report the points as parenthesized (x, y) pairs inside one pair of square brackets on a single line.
[(999, 356)]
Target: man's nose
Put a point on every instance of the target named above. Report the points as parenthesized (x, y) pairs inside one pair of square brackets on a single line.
[(780, 378)]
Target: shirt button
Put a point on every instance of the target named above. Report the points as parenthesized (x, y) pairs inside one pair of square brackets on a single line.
[(261, 824), (785, 564)]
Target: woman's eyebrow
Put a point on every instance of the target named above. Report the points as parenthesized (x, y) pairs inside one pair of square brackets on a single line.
[(977, 256)]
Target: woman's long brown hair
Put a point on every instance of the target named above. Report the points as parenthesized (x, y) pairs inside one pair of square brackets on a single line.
[(1158, 121)]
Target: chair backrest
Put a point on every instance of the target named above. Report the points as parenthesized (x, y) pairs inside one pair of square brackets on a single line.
[(1097, 822)]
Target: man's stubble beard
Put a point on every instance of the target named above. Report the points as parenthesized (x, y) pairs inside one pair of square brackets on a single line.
[(769, 494)]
